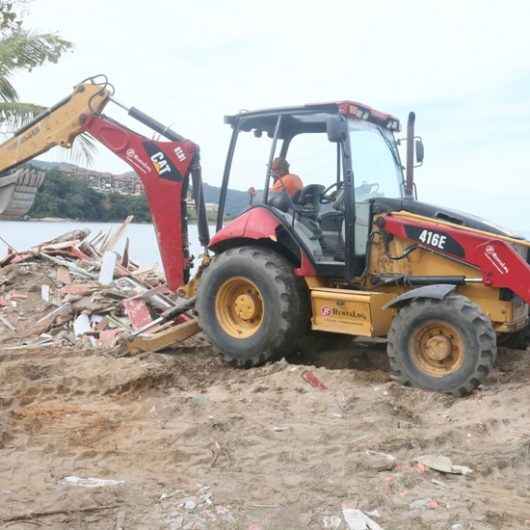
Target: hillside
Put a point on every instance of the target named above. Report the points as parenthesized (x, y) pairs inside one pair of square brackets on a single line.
[(236, 200), (67, 192)]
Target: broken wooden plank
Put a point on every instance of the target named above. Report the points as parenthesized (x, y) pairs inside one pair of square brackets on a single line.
[(75, 269), (63, 313), (114, 239), (15, 295), (20, 257), (81, 289), (125, 259), (164, 339), (49, 247), (7, 324), (49, 513), (60, 311), (73, 235), (10, 248)]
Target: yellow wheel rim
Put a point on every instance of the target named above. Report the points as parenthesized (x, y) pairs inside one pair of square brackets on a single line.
[(437, 348), (239, 307)]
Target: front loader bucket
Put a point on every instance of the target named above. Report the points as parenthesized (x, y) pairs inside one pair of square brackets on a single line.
[(17, 192)]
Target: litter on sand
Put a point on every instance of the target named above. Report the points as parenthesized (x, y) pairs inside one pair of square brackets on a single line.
[(443, 464), (358, 520), (91, 482)]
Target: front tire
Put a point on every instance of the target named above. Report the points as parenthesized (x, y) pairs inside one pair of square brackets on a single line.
[(442, 345), (251, 305)]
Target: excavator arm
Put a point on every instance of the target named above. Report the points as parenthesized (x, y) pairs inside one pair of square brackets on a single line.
[(58, 125), (164, 167)]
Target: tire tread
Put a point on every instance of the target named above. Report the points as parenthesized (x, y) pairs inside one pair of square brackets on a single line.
[(293, 308), (471, 315)]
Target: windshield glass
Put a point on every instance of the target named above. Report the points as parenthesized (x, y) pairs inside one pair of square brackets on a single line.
[(375, 162)]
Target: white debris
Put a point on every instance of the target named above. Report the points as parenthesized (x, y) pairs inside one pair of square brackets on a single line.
[(331, 521), (379, 461), (91, 482), (357, 520), (108, 264), (190, 503), (81, 325), (165, 496), (443, 464), (420, 503), (45, 293)]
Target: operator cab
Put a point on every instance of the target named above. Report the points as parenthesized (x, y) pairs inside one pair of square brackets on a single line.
[(347, 157)]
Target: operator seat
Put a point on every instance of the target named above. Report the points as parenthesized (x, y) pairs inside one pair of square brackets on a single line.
[(308, 201), (307, 207), (280, 200)]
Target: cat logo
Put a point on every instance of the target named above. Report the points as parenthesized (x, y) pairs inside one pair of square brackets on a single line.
[(163, 163), (160, 163)]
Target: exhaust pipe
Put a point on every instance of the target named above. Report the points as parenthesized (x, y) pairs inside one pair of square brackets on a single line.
[(409, 175)]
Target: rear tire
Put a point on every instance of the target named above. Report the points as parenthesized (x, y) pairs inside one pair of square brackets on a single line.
[(442, 345), (251, 305)]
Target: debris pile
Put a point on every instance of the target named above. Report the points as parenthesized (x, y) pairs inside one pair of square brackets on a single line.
[(76, 289)]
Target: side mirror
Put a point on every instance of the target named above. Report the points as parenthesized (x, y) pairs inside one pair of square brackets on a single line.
[(336, 128), (420, 151)]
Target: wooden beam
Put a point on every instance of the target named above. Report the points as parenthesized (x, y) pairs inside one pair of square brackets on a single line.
[(164, 339)]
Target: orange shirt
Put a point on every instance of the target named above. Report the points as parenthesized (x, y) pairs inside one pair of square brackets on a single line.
[(290, 183)]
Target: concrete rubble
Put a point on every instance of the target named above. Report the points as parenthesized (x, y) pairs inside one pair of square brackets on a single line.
[(443, 464), (76, 289)]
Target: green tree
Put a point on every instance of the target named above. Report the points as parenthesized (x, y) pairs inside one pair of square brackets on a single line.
[(23, 50), (67, 197)]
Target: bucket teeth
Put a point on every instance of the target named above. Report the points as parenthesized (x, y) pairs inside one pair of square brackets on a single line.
[(18, 190)]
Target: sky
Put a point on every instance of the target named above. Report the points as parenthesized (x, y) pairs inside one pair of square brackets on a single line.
[(463, 67)]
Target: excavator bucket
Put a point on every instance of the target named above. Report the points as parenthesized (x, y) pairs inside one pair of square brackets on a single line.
[(17, 192), (58, 125)]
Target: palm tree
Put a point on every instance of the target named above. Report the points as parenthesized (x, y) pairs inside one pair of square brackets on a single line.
[(21, 49)]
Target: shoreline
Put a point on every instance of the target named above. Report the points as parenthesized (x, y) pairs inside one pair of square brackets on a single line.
[(60, 220)]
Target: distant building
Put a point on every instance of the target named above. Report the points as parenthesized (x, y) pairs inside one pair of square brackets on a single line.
[(211, 207), (126, 183)]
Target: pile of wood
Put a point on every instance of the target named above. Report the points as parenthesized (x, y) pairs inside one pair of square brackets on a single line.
[(76, 289)]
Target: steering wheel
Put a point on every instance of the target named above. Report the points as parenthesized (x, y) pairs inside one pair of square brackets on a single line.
[(366, 191), (328, 196)]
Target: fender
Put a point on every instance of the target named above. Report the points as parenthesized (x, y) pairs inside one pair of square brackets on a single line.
[(255, 223), (500, 264), (437, 291), (259, 223)]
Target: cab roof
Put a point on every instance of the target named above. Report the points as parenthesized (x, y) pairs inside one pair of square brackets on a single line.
[(308, 118)]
